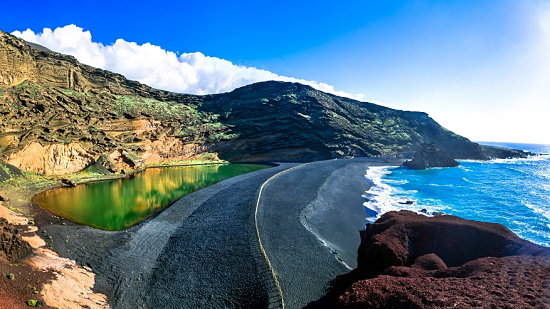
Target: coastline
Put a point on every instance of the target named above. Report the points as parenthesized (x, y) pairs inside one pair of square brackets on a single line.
[(337, 214), (203, 251), (307, 260), (144, 264)]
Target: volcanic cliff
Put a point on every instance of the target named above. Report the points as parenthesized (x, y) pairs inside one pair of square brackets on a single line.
[(407, 260), (59, 116)]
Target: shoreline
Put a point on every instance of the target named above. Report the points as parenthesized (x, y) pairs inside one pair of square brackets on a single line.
[(136, 267), (338, 212), (307, 260), (33, 221)]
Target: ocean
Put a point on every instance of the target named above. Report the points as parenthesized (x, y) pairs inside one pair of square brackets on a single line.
[(512, 192)]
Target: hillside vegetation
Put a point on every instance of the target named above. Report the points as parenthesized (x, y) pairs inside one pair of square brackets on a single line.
[(59, 116)]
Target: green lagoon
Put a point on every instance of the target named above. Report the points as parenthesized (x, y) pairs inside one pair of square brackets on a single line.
[(118, 204)]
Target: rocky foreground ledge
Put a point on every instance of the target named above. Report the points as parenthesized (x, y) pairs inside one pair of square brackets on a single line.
[(407, 260)]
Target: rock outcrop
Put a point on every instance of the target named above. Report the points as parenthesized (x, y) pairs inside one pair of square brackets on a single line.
[(407, 260), (7, 171), (430, 155), (507, 282), (103, 166), (52, 159), (495, 152), (12, 245)]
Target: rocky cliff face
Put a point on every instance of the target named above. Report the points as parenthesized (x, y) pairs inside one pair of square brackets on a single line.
[(59, 116), (408, 260)]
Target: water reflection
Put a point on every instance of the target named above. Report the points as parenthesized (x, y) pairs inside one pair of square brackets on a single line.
[(119, 204)]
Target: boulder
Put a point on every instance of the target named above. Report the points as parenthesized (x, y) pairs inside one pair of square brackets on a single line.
[(407, 260), (399, 238), (430, 155), (68, 182), (12, 245), (103, 166)]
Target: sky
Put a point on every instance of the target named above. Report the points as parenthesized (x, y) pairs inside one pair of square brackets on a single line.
[(479, 68)]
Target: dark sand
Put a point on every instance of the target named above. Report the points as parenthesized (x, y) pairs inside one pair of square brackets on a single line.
[(203, 252), (309, 221)]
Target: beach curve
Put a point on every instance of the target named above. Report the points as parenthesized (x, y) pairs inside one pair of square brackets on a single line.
[(203, 251)]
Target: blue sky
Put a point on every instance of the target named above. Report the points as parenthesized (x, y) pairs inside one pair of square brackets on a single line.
[(480, 68)]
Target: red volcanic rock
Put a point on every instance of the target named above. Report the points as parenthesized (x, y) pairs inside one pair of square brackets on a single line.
[(408, 260), (12, 245), (399, 238), (507, 282)]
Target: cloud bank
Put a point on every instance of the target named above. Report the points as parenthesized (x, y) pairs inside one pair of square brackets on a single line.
[(192, 73)]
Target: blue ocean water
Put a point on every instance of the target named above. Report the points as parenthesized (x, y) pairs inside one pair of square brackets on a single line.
[(512, 192)]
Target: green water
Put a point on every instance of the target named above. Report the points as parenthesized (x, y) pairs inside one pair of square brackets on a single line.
[(118, 204)]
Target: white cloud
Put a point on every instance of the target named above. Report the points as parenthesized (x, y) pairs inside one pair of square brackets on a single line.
[(192, 73)]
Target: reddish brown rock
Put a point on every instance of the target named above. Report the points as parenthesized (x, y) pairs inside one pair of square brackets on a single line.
[(398, 238), (507, 282), (12, 246), (408, 260)]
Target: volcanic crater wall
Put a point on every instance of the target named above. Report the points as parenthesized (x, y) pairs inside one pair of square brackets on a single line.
[(58, 116)]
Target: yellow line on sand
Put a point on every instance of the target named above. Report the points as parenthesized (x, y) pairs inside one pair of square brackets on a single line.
[(258, 231)]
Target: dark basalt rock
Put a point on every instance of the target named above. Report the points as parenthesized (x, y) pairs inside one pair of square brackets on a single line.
[(495, 152), (4, 175), (12, 245), (7, 171), (68, 182), (430, 155), (407, 260)]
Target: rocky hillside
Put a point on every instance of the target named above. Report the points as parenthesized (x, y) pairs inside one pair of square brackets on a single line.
[(59, 116)]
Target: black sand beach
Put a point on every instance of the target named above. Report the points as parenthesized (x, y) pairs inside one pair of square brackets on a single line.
[(203, 251)]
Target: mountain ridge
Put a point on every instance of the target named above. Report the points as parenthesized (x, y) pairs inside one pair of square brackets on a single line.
[(59, 116)]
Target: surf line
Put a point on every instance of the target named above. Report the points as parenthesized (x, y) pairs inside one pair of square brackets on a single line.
[(258, 230)]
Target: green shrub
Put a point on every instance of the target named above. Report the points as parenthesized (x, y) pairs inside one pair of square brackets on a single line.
[(32, 302)]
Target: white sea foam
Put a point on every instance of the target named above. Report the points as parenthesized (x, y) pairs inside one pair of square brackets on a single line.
[(382, 197), (438, 185), (379, 199), (396, 182), (543, 211)]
